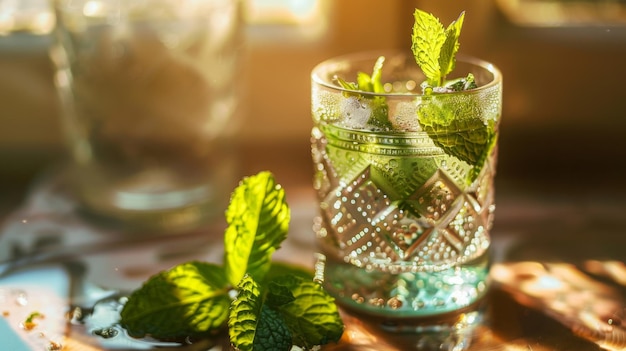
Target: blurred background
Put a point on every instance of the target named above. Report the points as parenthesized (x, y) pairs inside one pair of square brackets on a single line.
[(564, 118)]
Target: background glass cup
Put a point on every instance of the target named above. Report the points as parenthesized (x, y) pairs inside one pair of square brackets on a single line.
[(404, 210), (149, 97)]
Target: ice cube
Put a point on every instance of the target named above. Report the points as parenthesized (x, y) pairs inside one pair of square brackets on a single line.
[(355, 113)]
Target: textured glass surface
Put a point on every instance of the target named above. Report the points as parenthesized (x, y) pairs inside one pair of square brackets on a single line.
[(404, 214)]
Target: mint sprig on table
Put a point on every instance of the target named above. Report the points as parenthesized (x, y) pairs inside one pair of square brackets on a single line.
[(276, 305)]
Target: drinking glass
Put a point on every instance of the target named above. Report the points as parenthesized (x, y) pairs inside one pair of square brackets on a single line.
[(405, 205), (149, 100)]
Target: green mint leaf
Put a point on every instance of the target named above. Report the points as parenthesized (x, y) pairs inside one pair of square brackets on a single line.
[(278, 294), (191, 299), (272, 334), (373, 83), (450, 46), (312, 317), (454, 124), (364, 82), (377, 75), (279, 269), (258, 221), (347, 85), (434, 47), (244, 314), (461, 84), (380, 109), (427, 39), (252, 325)]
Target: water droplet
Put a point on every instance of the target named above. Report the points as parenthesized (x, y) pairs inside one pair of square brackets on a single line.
[(21, 298), (394, 303), (106, 333), (357, 298), (76, 316), (614, 322)]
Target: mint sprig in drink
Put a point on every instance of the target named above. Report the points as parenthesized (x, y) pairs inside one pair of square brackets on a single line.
[(404, 165)]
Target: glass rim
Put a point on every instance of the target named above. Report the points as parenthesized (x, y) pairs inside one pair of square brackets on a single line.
[(317, 78)]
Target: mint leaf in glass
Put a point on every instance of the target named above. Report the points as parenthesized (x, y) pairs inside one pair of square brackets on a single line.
[(452, 121), (189, 300), (447, 55), (372, 84), (258, 221), (434, 47), (461, 84), (467, 143)]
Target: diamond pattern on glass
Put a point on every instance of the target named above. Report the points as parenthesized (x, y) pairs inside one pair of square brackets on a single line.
[(438, 225), (436, 198), (484, 182), (357, 212)]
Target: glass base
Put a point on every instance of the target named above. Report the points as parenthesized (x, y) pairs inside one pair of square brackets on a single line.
[(408, 295), (155, 203), (454, 332), (172, 220)]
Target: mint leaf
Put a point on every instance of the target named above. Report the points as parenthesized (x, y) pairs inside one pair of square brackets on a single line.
[(373, 83), (312, 317), (281, 280), (453, 123), (258, 219), (278, 294), (291, 308), (347, 85), (254, 326), (191, 299), (427, 39), (461, 84), (272, 334), (279, 269), (450, 46), (434, 47)]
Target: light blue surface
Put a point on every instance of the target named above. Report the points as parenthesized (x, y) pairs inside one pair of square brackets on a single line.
[(8, 340), (46, 290)]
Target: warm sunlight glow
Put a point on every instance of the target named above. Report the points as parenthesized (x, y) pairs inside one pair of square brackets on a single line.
[(92, 8), (35, 17), (302, 18)]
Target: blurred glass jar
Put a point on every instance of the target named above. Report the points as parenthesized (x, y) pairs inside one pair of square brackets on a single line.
[(149, 97)]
